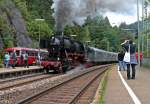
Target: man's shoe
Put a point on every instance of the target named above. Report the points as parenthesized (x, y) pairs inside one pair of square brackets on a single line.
[(133, 78)]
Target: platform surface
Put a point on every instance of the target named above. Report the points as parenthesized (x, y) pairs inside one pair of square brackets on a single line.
[(5, 70), (122, 91)]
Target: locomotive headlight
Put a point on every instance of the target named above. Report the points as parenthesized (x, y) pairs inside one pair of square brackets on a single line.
[(58, 58)]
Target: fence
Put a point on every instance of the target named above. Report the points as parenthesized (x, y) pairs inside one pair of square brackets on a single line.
[(146, 61)]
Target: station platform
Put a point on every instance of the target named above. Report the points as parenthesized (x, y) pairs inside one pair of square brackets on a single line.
[(17, 68), (119, 90), (18, 71)]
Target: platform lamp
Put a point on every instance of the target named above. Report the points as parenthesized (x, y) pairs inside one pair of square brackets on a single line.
[(88, 42), (40, 20), (73, 36)]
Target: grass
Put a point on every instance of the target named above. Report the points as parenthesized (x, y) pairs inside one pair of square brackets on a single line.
[(103, 89)]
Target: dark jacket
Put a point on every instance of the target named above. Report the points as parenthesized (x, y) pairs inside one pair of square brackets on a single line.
[(120, 56), (132, 47)]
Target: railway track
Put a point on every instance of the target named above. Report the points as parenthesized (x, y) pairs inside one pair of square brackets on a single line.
[(79, 89), (16, 82)]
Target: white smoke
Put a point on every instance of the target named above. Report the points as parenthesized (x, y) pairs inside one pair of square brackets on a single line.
[(68, 12)]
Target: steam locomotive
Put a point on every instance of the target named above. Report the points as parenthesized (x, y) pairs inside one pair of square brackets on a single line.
[(66, 53)]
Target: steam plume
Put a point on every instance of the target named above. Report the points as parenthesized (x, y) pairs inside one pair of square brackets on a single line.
[(67, 12)]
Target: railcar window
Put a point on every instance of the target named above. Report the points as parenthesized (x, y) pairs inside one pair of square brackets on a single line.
[(10, 52), (18, 52), (36, 54), (30, 53), (33, 53), (23, 51)]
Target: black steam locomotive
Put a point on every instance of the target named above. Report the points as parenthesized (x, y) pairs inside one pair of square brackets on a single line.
[(66, 53)]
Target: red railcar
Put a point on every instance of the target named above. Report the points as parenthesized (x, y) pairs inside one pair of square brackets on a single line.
[(32, 54)]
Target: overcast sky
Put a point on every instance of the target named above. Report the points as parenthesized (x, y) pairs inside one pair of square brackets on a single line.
[(117, 18)]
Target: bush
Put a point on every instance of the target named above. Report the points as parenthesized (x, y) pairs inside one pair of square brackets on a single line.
[(1, 65), (1, 62)]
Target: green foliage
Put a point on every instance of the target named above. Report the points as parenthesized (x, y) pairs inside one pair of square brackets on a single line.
[(1, 59), (39, 27), (21, 4), (41, 9), (86, 35), (6, 33), (33, 9), (100, 32)]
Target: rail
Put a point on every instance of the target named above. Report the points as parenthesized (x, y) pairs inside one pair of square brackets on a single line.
[(33, 97), (24, 81)]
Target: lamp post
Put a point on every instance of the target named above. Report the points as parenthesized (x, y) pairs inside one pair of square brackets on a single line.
[(143, 26), (40, 20)]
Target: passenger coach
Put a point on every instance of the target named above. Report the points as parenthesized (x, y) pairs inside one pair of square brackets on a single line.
[(100, 56)]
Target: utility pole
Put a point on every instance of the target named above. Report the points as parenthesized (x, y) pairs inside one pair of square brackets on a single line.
[(138, 32), (40, 20), (143, 26), (146, 26), (108, 46)]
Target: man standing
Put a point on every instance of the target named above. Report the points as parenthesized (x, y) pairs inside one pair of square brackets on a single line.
[(6, 60), (22, 59), (120, 60), (26, 60), (14, 57), (141, 57)]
